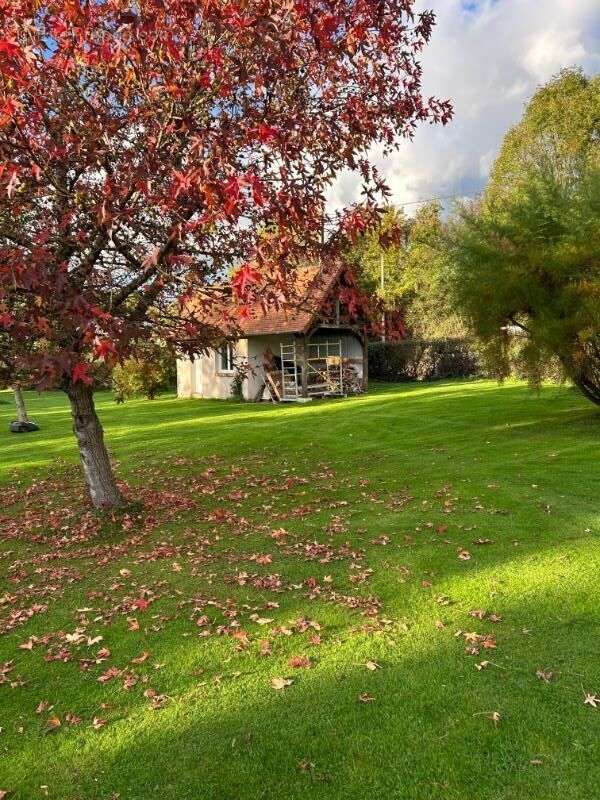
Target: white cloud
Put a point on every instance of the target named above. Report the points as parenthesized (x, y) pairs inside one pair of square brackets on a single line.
[(488, 57), (551, 49)]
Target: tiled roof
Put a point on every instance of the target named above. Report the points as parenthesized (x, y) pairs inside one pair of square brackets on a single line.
[(312, 288)]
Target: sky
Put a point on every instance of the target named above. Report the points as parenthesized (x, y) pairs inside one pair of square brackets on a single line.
[(488, 57)]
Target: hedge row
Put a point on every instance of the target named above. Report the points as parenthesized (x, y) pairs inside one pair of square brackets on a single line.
[(418, 360)]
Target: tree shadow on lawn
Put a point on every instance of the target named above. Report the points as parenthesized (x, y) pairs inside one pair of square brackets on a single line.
[(426, 733), (406, 413), (419, 733)]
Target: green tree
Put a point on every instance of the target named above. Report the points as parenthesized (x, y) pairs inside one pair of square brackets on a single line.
[(412, 256), (560, 132), (527, 256), (377, 258), (428, 312)]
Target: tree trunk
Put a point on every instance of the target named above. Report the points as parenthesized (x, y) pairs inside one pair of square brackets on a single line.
[(20, 404), (588, 388), (584, 369), (94, 456)]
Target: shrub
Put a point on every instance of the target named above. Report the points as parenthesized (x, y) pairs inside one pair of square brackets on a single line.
[(237, 384), (146, 375), (420, 360)]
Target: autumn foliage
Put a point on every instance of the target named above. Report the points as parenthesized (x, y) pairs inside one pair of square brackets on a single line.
[(148, 147)]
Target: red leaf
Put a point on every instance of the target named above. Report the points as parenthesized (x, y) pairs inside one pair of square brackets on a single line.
[(104, 349), (81, 372), (300, 662), (232, 194), (258, 189), (265, 133), (10, 48), (245, 277), (10, 106)]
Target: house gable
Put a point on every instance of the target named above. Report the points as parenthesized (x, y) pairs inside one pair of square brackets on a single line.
[(320, 296)]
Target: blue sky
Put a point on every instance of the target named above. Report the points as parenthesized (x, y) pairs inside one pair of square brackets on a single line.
[(488, 56)]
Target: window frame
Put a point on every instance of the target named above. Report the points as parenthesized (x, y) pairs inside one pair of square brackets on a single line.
[(225, 354)]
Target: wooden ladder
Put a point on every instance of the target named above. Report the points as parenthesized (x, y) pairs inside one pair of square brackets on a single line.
[(272, 387)]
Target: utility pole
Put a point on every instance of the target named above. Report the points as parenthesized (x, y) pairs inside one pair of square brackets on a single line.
[(382, 270)]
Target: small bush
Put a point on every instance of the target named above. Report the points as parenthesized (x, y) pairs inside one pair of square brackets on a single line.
[(146, 375), (237, 384), (420, 360)]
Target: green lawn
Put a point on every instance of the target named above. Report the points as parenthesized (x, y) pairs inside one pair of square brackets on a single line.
[(403, 520)]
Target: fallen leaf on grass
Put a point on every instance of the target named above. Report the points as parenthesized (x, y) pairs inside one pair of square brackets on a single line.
[(482, 665), (300, 662), (98, 723), (53, 723), (536, 762), (158, 701), (4, 793), (372, 665), (494, 716), (592, 700), (260, 620), (264, 647), (489, 643), (141, 658), (464, 555), (281, 683), (544, 675), (365, 697), (130, 680), (108, 675), (478, 613)]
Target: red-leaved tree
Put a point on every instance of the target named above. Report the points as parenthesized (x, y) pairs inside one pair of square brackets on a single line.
[(146, 146)]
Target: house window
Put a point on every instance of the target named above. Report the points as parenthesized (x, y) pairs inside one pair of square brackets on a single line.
[(225, 358)]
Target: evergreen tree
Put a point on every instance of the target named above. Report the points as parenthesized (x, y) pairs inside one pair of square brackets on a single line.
[(526, 258)]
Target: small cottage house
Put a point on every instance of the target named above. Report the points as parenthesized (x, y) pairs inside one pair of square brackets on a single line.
[(315, 346)]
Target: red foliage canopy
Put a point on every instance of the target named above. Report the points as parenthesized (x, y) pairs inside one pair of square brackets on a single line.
[(147, 147)]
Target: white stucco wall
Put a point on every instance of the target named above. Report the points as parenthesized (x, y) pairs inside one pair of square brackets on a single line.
[(202, 376), (184, 378)]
